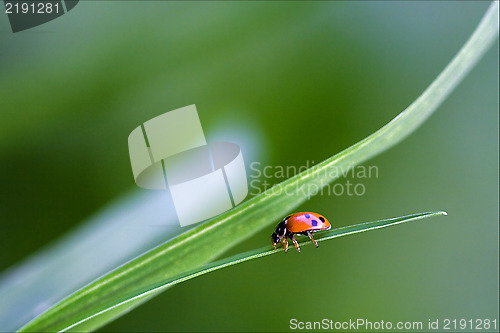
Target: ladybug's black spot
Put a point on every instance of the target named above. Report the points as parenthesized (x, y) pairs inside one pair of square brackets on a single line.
[(307, 216), (322, 219), (314, 223)]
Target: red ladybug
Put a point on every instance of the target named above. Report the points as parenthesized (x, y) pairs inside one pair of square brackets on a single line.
[(304, 223)]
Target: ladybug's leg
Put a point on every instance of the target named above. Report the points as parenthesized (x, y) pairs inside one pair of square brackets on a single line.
[(310, 236), (295, 243), (285, 242)]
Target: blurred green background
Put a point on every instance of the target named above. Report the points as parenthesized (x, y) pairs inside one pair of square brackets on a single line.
[(290, 82)]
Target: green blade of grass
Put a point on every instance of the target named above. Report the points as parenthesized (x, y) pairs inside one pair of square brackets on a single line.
[(200, 245), (262, 252)]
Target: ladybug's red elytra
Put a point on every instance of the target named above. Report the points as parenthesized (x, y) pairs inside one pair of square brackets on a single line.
[(304, 223)]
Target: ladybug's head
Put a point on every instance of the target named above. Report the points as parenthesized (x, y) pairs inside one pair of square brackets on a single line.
[(275, 238)]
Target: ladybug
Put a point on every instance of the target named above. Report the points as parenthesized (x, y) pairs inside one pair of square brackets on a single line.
[(304, 223)]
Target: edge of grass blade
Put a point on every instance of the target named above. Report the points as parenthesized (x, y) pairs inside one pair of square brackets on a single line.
[(268, 250)]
